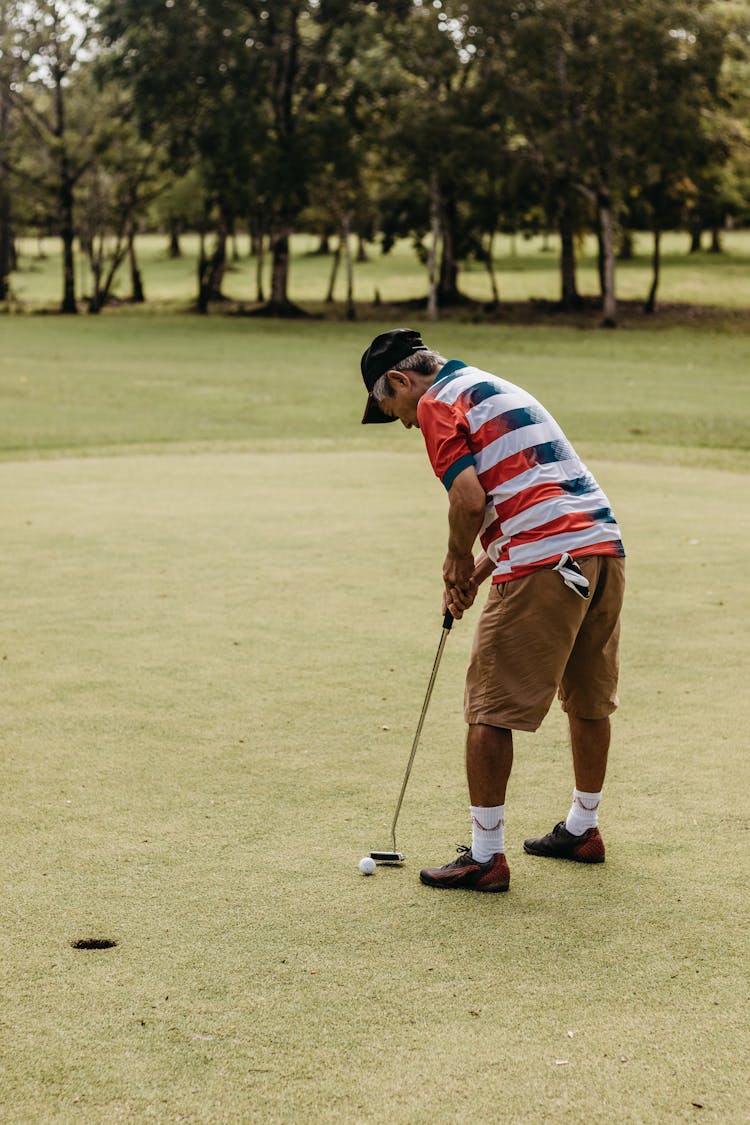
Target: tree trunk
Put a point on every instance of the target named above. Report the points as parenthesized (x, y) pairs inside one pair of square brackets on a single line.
[(448, 282), (96, 262), (65, 201), (201, 304), (324, 246), (102, 289), (600, 254), (137, 296), (625, 249), (283, 87), (696, 233), (258, 243), (569, 296), (280, 269), (211, 270), (350, 310), (67, 234), (6, 233), (433, 295), (175, 229), (715, 247), (279, 303), (6, 241), (361, 249), (334, 273), (256, 237), (607, 229), (650, 305), (218, 261), (491, 270)]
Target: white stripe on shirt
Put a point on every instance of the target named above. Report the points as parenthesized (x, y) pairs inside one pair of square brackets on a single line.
[(494, 405), (529, 553), (518, 440), (556, 508), (554, 471)]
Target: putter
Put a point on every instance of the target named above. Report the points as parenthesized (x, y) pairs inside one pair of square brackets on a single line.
[(394, 856)]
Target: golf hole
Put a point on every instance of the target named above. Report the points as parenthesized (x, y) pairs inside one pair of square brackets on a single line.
[(94, 943)]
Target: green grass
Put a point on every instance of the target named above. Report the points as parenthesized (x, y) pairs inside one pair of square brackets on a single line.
[(526, 269), (214, 650), (118, 385)]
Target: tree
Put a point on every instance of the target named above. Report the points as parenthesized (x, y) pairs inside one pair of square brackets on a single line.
[(312, 46), (434, 125), (192, 72), (12, 68), (674, 57), (721, 180), (242, 85), (114, 192), (533, 58), (59, 39)]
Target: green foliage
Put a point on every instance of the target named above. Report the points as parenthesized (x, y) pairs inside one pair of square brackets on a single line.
[(466, 116)]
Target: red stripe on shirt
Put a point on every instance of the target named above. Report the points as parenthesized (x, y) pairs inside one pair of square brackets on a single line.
[(445, 432)]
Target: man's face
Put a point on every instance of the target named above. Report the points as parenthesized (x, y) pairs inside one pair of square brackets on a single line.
[(408, 389)]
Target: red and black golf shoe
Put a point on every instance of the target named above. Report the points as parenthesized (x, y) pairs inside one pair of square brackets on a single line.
[(561, 844), (465, 873)]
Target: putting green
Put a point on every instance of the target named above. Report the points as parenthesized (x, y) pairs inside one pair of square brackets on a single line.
[(212, 666)]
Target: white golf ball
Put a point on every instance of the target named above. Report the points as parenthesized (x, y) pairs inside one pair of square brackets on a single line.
[(367, 865)]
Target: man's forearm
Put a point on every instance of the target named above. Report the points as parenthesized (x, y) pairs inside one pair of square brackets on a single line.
[(466, 505), (483, 567), (466, 508), (463, 527)]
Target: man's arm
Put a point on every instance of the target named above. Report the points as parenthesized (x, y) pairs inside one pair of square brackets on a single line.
[(467, 501)]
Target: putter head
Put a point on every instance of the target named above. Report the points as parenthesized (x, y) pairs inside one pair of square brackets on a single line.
[(392, 858)]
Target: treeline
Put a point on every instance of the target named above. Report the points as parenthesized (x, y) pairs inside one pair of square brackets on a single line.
[(443, 121)]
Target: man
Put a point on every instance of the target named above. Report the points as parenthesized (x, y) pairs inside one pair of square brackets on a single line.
[(551, 624)]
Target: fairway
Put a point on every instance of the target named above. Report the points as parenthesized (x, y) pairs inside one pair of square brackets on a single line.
[(526, 268), (220, 604)]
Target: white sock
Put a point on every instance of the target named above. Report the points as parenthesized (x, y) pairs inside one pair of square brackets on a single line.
[(487, 832), (584, 812)]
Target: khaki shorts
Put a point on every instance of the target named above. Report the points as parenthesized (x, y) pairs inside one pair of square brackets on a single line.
[(536, 637)]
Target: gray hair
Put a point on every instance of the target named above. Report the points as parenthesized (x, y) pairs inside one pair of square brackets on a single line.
[(423, 362)]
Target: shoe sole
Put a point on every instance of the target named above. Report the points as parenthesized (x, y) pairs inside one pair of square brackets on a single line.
[(458, 887)]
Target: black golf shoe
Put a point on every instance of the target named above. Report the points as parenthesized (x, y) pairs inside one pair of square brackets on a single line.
[(466, 873), (561, 844)]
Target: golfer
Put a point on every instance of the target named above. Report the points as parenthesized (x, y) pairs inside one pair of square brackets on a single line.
[(552, 550)]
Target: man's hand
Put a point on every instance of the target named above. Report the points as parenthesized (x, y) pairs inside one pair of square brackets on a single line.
[(466, 509), (459, 595), (460, 585)]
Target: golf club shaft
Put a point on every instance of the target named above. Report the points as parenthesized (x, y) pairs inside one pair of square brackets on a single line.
[(447, 622)]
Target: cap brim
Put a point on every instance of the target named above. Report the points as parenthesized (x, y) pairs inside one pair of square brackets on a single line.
[(373, 413)]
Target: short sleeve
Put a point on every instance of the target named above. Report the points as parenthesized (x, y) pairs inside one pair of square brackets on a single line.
[(445, 433)]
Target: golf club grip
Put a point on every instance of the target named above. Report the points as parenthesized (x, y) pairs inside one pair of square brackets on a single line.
[(448, 619)]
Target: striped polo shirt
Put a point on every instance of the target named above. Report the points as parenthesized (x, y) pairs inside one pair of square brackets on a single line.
[(541, 499)]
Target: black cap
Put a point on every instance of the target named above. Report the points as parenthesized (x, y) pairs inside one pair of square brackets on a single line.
[(385, 352)]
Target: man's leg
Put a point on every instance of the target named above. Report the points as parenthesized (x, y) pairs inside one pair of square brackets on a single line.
[(489, 758), (578, 837), (589, 741)]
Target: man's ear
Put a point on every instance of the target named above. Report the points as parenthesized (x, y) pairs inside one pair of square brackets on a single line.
[(400, 378)]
